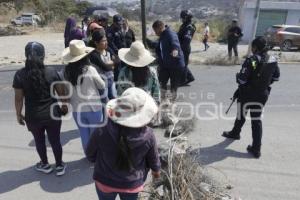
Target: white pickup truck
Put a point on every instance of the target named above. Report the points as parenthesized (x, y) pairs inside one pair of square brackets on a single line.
[(26, 19)]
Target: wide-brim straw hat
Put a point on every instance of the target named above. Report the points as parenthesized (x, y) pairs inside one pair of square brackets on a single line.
[(76, 51), (136, 56), (135, 108)]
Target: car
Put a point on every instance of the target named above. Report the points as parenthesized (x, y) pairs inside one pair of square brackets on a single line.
[(26, 19), (287, 37)]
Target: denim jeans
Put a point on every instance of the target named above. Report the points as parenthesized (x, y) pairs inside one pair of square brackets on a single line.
[(110, 91), (87, 122), (112, 196)]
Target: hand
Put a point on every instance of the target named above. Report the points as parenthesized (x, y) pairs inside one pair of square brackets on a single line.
[(237, 35), (156, 174), (116, 60), (21, 119), (64, 110), (175, 53), (236, 94)]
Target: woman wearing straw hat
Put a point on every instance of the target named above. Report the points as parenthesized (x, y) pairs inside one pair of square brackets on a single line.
[(125, 149), (85, 85), (137, 73)]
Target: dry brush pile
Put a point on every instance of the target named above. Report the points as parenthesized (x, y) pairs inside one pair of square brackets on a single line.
[(182, 177)]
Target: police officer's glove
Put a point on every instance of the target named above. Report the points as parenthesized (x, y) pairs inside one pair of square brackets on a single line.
[(237, 77), (236, 94)]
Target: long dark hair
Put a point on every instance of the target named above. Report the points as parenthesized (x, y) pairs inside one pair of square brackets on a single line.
[(73, 71), (124, 160), (36, 75), (140, 75)]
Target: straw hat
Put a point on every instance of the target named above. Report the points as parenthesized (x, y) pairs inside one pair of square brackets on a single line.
[(134, 108), (76, 51), (136, 55)]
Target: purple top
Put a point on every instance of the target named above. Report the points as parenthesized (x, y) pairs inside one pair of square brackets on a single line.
[(76, 34), (70, 25), (103, 149)]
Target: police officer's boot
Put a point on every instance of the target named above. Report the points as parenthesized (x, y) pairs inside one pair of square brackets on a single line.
[(232, 135), (255, 152)]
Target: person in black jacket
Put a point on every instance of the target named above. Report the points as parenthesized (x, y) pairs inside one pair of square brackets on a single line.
[(129, 34), (170, 59), (116, 34), (116, 39), (234, 35), (257, 74), (185, 36)]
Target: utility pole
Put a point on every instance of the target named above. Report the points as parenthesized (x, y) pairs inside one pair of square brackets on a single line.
[(143, 16), (255, 23)]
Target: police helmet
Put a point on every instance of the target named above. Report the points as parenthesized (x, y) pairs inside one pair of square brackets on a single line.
[(260, 43), (118, 19), (35, 51), (186, 14)]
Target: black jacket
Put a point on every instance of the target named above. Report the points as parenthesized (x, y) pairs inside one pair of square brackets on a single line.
[(116, 39), (257, 74), (185, 35), (96, 60)]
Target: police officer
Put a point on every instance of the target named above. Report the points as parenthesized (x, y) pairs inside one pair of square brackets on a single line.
[(116, 38), (234, 34), (258, 72), (116, 34), (185, 36)]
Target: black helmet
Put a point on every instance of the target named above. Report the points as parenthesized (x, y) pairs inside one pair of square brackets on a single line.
[(35, 51), (118, 19), (186, 14), (260, 43)]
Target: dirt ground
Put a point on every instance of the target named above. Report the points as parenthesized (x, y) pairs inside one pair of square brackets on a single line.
[(12, 49)]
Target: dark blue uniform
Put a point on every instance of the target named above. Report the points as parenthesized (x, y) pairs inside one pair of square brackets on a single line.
[(234, 35), (116, 40), (169, 67), (185, 36), (257, 74)]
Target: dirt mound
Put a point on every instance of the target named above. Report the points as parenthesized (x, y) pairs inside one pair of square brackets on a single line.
[(10, 30)]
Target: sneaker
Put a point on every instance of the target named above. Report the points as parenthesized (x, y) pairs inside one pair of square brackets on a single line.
[(230, 135), (45, 168), (61, 169), (255, 153)]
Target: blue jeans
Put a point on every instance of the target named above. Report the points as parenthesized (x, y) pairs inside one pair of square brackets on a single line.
[(110, 91), (87, 122), (112, 196)]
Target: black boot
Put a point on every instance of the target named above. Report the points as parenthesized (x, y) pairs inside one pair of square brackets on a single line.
[(231, 135), (254, 152)]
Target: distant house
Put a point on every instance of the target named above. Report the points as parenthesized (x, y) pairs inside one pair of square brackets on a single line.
[(271, 13)]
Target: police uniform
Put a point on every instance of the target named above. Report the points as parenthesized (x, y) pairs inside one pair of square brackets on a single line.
[(257, 74), (116, 39), (185, 36)]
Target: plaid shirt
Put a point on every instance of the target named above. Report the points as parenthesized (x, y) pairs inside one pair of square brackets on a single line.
[(152, 86)]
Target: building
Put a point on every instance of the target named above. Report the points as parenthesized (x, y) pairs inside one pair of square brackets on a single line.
[(271, 13)]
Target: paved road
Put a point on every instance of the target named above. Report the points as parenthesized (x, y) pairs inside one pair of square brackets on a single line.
[(276, 176)]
